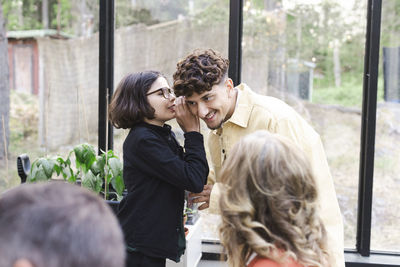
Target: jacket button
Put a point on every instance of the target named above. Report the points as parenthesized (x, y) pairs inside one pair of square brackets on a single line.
[(177, 229)]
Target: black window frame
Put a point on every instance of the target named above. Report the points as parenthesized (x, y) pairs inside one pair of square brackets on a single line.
[(362, 254)]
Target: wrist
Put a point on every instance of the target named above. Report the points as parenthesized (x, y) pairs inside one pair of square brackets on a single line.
[(192, 129)]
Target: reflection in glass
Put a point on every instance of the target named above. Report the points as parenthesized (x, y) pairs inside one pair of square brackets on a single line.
[(157, 34), (53, 80), (310, 54), (385, 234)]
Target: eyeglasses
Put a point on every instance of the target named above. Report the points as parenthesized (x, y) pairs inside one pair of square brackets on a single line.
[(167, 92)]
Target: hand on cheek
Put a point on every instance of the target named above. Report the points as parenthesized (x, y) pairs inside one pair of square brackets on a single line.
[(186, 120)]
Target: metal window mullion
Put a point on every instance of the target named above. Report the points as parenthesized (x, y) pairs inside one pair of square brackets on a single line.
[(368, 125), (235, 40), (106, 72)]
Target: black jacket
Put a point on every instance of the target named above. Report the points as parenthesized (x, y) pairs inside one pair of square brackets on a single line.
[(156, 173)]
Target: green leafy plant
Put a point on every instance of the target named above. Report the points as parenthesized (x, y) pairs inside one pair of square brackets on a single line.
[(95, 172), (190, 214)]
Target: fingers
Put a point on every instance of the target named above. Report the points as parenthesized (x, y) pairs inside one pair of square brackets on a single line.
[(208, 187), (203, 197), (204, 206), (200, 199), (196, 195), (192, 195), (206, 191), (180, 105)]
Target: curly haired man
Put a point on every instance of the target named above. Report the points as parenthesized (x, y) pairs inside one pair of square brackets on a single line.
[(233, 112)]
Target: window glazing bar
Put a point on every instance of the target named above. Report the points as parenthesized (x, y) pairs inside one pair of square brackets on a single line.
[(368, 125), (235, 40), (106, 72)]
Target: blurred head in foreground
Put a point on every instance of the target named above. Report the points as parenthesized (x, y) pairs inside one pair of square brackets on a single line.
[(269, 207), (58, 225)]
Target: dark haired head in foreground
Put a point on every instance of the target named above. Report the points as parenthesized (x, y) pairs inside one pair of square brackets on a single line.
[(58, 225)]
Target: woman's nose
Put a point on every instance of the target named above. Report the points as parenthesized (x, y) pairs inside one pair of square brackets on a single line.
[(172, 96)]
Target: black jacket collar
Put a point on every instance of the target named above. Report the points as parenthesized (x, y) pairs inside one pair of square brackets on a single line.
[(164, 130)]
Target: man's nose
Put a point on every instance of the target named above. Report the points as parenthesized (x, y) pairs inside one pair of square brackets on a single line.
[(202, 110)]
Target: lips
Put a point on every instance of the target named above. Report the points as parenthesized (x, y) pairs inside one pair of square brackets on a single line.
[(172, 108), (210, 116)]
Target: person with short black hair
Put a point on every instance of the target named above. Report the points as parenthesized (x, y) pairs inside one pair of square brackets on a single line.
[(157, 170)]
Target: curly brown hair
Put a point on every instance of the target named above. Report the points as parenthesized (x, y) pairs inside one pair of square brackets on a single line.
[(199, 72)]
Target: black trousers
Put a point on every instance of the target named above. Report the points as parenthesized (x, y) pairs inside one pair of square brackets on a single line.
[(137, 259)]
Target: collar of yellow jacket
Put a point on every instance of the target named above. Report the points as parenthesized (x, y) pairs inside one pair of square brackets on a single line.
[(242, 112)]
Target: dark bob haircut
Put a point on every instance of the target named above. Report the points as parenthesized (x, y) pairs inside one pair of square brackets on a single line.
[(199, 72), (129, 104)]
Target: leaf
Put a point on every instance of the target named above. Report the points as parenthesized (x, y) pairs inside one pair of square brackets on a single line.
[(72, 178), (57, 169), (67, 172), (32, 174), (115, 166), (118, 184), (60, 160), (48, 166), (92, 182), (110, 153), (78, 150), (98, 166), (84, 156), (98, 184), (41, 175), (89, 156), (109, 178), (77, 164)]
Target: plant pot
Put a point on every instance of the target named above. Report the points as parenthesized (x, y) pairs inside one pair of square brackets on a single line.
[(185, 217), (186, 231)]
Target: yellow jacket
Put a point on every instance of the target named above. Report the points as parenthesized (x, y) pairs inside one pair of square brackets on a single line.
[(258, 112)]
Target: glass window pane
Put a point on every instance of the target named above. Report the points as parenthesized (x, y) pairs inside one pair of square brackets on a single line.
[(385, 234), (53, 82), (155, 35), (310, 54)]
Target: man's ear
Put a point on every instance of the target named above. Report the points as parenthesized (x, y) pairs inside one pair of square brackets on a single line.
[(23, 263), (229, 83), (230, 87)]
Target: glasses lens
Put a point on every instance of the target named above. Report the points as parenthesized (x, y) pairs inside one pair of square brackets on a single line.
[(167, 92)]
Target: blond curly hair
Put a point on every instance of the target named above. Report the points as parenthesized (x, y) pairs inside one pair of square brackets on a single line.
[(269, 206)]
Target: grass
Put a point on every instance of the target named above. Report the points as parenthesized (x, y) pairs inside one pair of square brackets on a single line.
[(349, 94), (23, 136)]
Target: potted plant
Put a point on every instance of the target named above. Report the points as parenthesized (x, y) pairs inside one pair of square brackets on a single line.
[(190, 210), (99, 173)]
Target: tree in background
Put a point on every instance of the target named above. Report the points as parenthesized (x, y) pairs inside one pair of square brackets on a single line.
[(38, 14), (4, 90), (163, 10), (390, 26), (80, 17), (327, 35)]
